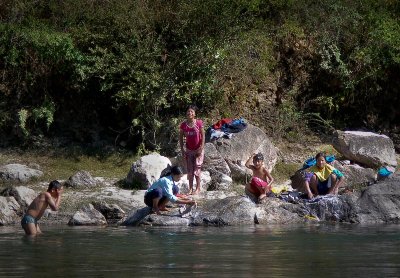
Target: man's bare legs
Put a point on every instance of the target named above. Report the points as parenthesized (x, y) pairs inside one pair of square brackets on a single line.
[(30, 229), (38, 231)]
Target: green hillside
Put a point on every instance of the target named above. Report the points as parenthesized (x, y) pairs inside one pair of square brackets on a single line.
[(125, 71)]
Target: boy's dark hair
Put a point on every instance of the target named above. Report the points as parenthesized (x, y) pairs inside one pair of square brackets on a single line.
[(54, 185), (258, 156)]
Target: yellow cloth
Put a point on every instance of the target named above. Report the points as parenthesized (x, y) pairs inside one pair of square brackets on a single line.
[(279, 189), (322, 174)]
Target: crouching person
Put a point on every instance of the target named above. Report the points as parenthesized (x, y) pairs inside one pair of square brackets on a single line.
[(162, 191), (322, 178)]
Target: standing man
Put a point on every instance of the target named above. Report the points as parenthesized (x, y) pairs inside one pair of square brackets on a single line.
[(52, 198)]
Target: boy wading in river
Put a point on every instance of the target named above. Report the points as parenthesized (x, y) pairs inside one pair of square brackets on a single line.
[(52, 198)]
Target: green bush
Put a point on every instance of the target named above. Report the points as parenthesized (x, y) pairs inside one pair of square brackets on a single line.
[(32, 57), (129, 69)]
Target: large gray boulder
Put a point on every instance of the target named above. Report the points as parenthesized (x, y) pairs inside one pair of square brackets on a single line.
[(276, 211), (380, 203), (333, 208), (220, 181), (234, 210), (366, 148), (147, 170), (112, 212), (229, 211), (142, 216), (9, 210), (236, 150), (81, 179), (239, 171), (355, 174), (22, 194), (213, 160), (205, 180), (135, 216), (165, 219), (18, 173), (87, 216)]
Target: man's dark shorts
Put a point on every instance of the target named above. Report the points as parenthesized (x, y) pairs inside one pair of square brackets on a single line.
[(28, 219)]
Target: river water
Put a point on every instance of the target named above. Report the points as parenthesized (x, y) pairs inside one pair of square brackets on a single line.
[(309, 250)]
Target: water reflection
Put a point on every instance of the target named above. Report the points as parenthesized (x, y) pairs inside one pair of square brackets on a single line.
[(253, 251)]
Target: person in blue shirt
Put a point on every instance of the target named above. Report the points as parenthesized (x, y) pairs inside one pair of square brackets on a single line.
[(162, 191)]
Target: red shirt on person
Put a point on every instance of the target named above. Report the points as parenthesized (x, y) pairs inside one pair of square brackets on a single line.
[(192, 134)]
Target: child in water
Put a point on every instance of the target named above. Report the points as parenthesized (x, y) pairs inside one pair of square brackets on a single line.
[(52, 198), (260, 184)]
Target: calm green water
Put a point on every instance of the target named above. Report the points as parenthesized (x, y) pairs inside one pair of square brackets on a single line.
[(260, 251)]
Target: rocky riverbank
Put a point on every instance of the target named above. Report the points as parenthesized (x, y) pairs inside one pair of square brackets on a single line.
[(91, 200)]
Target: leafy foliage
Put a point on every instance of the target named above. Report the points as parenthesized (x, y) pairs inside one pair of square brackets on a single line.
[(130, 68)]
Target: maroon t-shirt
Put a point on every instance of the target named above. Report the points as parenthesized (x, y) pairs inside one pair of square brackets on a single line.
[(192, 134)]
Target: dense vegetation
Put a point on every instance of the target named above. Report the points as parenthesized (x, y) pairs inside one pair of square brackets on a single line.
[(93, 69)]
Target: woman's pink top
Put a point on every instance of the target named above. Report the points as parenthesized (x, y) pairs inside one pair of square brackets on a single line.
[(192, 134)]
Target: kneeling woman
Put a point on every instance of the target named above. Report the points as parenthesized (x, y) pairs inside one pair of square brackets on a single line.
[(161, 191)]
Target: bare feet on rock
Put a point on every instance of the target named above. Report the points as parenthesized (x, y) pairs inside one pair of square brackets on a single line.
[(155, 212), (262, 196)]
